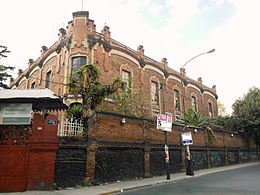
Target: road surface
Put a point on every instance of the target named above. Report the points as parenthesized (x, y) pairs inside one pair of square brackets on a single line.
[(244, 181)]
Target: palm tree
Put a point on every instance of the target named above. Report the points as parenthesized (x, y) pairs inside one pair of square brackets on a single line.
[(74, 112), (85, 82)]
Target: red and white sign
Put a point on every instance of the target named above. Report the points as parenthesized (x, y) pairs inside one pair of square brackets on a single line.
[(164, 122)]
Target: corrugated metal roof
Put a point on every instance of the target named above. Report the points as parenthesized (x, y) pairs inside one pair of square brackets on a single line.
[(41, 99), (28, 93)]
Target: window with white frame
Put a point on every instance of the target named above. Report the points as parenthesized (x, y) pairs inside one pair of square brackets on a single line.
[(194, 103)]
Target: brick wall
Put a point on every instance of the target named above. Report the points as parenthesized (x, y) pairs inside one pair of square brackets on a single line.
[(43, 147), (70, 163), (113, 139)]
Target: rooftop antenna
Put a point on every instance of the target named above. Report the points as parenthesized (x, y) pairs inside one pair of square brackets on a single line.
[(81, 5)]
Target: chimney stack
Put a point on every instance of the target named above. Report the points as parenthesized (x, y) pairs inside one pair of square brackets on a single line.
[(140, 50), (200, 80), (106, 33), (44, 49), (164, 62), (30, 62), (183, 72), (20, 71), (62, 33), (214, 88)]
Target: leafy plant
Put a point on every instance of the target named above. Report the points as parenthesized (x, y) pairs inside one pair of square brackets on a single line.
[(75, 112), (246, 114), (3, 69), (197, 119), (85, 83), (129, 103)]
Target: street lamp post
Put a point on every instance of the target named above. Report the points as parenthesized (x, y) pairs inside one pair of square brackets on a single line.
[(189, 169), (210, 51)]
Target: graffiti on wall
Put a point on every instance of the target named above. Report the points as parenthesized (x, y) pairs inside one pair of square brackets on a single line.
[(244, 156), (253, 156), (232, 157), (217, 159), (199, 159)]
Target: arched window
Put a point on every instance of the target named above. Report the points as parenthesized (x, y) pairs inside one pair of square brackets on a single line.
[(126, 77), (177, 104), (155, 98), (33, 85), (48, 80), (194, 103), (77, 62), (210, 109)]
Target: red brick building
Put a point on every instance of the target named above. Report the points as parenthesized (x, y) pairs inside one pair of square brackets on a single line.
[(165, 89)]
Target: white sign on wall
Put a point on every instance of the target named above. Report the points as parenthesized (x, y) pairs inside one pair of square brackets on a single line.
[(164, 122), (15, 113), (186, 138)]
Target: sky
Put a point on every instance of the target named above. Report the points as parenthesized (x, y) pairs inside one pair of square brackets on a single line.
[(174, 29)]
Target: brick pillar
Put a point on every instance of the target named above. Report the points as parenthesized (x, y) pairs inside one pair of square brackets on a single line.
[(147, 150), (43, 147), (91, 159)]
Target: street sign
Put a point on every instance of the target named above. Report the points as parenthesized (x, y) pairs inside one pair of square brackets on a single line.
[(186, 138), (164, 122)]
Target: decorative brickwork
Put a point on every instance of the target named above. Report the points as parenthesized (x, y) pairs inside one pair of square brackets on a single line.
[(81, 39)]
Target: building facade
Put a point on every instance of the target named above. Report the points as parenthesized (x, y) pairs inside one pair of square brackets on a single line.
[(165, 89)]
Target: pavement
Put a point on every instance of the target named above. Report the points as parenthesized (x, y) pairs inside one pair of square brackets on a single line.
[(121, 186)]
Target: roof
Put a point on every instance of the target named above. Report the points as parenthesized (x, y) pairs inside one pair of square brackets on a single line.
[(41, 99)]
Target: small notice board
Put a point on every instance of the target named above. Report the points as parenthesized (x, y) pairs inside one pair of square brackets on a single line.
[(186, 138)]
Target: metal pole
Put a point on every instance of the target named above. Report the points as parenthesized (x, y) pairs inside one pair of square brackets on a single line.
[(166, 149), (189, 169), (167, 157)]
